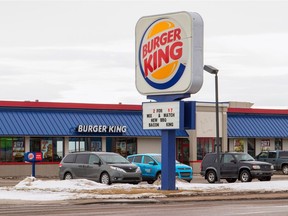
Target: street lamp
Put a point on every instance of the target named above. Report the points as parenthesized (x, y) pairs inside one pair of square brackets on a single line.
[(210, 69)]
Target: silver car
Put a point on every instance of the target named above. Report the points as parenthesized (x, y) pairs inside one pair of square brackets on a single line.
[(103, 167)]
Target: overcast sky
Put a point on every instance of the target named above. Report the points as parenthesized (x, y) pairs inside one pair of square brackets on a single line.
[(83, 51)]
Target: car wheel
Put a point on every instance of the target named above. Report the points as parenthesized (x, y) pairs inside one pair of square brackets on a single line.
[(150, 181), (231, 180), (105, 179), (211, 176), (285, 169), (158, 176), (68, 176), (245, 176)]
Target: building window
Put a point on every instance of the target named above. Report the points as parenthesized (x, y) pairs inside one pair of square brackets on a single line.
[(206, 145), (238, 145), (51, 148), (12, 149), (251, 147), (77, 144), (124, 146), (278, 144), (96, 144)]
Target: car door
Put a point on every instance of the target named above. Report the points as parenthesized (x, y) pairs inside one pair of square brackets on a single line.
[(79, 167), (272, 158), (228, 167), (149, 167), (92, 170)]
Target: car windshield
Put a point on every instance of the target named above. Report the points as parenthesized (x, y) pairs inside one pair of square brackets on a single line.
[(114, 159), (158, 159), (244, 157)]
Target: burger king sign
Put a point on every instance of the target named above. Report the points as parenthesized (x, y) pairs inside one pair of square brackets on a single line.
[(169, 54)]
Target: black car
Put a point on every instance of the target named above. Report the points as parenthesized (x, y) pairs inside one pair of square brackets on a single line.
[(235, 166)]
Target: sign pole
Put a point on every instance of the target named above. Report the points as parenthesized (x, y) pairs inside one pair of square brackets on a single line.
[(33, 169), (168, 145), (169, 68), (168, 149)]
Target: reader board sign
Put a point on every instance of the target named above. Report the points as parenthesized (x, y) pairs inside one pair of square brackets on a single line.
[(169, 54), (163, 115)]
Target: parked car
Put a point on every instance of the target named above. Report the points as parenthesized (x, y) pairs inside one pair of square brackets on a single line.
[(279, 159), (150, 165), (235, 165), (103, 167)]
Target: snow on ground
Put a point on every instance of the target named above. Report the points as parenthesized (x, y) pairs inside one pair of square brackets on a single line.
[(45, 190)]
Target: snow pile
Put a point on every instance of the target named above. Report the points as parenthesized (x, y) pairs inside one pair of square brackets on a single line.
[(34, 189)]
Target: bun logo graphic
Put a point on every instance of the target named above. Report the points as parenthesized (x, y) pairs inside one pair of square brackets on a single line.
[(160, 54), (169, 54)]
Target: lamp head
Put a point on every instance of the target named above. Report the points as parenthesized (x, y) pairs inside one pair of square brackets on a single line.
[(210, 69)]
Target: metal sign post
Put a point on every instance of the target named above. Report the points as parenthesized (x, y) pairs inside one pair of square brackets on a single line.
[(169, 68), (168, 137), (33, 157)]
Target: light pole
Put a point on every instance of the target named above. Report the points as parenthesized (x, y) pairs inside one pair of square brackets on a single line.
[(210, 69)]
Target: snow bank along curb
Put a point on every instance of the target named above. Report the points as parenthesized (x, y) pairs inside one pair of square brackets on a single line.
[(80, 189)]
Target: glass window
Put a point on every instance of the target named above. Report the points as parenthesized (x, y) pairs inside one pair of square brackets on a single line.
[(272, 154), (70, 158), (251, 147), (82, 159), (206, 145), (94, 159), (283, 154), (124, 146), (227, 158), (12, 149), (148, 159), (51, 148), (96, 144), (77, 144), (278, 144), (137, 159), (263, 155), (58, 149)]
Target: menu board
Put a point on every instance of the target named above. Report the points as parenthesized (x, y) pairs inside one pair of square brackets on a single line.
[(46, 149), (18, 150)]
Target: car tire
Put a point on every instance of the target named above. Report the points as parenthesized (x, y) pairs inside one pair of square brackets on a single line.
[(285, 169), (68, 176), (211, 176), (245, 176), (150, 181), (105, 179), (158, 176), (231, 180)]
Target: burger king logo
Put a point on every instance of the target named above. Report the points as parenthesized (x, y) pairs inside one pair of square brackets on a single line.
[(162, 53)]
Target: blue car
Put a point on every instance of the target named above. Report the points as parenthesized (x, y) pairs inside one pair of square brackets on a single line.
[(150, 165)]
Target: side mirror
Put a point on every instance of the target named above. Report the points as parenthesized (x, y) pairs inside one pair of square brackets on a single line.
[(233, 161), (151, 163), (98, 163)]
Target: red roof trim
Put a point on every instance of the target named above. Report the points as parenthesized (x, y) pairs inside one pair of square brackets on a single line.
[(257, 111), (36, 104)]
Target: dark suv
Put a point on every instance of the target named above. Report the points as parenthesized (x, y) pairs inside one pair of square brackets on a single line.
[(235, 165), (279, 159)]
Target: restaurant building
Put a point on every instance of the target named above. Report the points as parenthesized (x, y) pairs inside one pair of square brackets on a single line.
[(55, 129)]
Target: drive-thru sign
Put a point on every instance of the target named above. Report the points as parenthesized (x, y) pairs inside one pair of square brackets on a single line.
[(169, 67)]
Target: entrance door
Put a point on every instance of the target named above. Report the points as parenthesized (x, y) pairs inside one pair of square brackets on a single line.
[(183, 151)]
